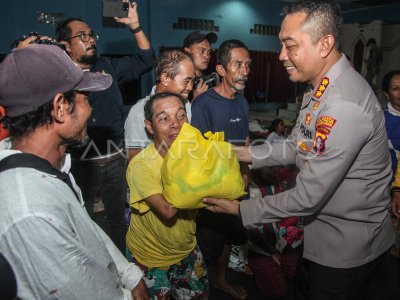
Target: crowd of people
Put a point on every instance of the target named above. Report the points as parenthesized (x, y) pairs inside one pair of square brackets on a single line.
[(326, 226)]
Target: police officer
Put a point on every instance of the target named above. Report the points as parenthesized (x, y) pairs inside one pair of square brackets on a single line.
[(339, 144)]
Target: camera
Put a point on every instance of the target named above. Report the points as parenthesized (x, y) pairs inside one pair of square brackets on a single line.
[(115, 8), (210, 80), (48, 42)]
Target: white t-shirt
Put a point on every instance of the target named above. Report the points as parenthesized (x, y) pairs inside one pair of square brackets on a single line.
[(55, 249)]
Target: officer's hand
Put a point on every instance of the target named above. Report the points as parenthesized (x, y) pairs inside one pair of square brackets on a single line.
[(222, 206), (132, 20), (200, 89), (396, 204)]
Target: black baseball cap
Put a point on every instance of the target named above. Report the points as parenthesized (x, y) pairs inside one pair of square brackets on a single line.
[(197, 37)]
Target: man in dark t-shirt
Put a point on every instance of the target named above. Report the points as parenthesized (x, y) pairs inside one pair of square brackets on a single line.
[(223, 108)]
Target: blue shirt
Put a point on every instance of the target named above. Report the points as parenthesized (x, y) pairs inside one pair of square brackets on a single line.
[(392, 124), (212, 112)]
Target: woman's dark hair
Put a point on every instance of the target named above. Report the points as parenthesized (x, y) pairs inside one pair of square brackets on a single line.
[(387, 78), (274, 124), (148, 107), (23, 125)]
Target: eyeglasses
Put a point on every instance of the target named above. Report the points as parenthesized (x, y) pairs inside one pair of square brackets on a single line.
[(85, 37)]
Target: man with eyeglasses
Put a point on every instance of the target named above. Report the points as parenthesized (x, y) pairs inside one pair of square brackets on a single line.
[(99, 167)]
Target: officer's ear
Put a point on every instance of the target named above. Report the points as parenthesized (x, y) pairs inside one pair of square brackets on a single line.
[(220, 70), (327, 43)]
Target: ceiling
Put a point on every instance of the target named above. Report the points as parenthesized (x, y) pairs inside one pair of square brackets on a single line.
[(368, 10), (357, 4)]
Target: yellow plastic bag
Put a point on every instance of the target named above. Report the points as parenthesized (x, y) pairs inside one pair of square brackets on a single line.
[(195, 168)]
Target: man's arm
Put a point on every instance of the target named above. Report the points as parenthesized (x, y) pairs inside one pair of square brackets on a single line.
[(132, 21), (131, 67), (269, 154), (144, 180), (140, 292), (274, 154), (319, 177), (131, 275), (54, 261), (161, 207)]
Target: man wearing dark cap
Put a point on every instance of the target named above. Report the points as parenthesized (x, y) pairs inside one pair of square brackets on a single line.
[(54, 248), (198, 45)]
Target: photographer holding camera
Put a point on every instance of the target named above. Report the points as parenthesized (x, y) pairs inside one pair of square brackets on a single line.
[(99, 168), (198, 46)]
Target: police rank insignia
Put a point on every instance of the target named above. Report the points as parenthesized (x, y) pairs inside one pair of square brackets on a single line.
[(321, 88), (308, 119), (323, 127), (315, 106)]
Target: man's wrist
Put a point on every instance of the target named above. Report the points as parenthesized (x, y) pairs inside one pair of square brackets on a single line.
[(394, 189), (136, 29)]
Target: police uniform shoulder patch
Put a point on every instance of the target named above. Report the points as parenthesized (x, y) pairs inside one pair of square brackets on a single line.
[(321, 88), (323, 127), (325, 121)]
